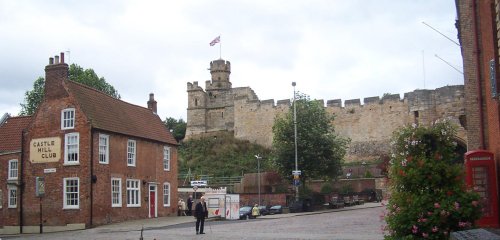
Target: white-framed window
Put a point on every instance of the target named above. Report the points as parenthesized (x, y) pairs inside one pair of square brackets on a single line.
[(116, 192), (71, 148), (133, 193), (1, 199), (166, 194), (13, 169), (103, 148), (166, 158), (12, 197), (71, 195), (68, 118), (131, 149)]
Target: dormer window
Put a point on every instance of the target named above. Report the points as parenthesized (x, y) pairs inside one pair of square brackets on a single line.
[(68, 118)]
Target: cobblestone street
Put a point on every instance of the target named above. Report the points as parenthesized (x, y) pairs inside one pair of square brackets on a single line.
[(348, 224)]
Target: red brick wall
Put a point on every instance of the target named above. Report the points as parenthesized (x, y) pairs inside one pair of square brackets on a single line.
[(149, 168), (8, 216), (465, 11), (488, 49), (249, 199), (47, 123), (477, 59)]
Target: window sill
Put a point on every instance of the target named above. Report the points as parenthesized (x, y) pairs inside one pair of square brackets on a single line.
[(71, 208), (13, 181), (71, 164), (116, 206)]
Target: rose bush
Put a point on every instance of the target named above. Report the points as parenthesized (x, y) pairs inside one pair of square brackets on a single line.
[(429, 198)]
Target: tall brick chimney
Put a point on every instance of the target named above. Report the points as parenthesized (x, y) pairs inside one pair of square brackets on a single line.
[(152, 102), (55, 73)]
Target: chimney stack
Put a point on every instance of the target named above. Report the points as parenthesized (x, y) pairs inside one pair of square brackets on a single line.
[(152, 103), (55, 74)]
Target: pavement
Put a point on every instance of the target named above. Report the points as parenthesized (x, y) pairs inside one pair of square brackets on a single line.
[(154, 223)]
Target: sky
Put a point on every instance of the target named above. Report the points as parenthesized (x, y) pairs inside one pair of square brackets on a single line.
[(332, 49)]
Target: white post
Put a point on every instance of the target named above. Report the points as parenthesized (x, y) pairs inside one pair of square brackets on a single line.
[(295, 137), (258, 173)]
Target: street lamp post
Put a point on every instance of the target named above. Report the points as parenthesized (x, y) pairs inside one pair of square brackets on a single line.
[(258, 173), (364, 169), (295, 137)]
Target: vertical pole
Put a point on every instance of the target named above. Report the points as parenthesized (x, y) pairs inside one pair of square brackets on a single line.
[(258, 170), (295, 138), (220, 48), (41, 223), (423, 65)]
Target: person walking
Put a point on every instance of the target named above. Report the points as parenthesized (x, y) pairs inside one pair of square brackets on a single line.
[(189, 205), (183, 208), (255, 211), (200, 213), (179, 207)]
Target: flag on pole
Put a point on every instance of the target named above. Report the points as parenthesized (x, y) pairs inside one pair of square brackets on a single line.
[(215, 41)]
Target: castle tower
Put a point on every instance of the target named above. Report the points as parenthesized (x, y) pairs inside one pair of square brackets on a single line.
[(220, 71), (196, 111), (211, 110)]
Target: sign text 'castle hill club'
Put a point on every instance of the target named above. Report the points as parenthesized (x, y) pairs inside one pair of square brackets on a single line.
[(45, 149)]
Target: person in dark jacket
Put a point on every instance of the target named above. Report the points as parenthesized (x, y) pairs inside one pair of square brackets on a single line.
[(200, 213), (190, 205)]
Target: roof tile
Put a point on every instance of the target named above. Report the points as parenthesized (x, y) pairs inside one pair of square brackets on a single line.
[(10, 133), (111, 114)]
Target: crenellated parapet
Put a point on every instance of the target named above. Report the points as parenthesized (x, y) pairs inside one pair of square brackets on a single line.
[(418, 97), (193, 86)]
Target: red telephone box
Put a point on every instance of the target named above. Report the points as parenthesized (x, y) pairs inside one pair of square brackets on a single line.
[(480, 173)]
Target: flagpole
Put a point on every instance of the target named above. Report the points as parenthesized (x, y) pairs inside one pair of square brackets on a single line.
[(220, 49)]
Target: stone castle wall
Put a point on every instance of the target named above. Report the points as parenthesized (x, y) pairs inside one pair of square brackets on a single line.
[(369, 125)]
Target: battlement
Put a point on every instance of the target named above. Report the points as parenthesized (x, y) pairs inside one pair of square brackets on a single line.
[(284, 102), (439, 95), (194, 86), (220, 65)]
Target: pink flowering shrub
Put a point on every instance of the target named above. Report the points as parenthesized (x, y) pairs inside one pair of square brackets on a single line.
[(429, 198)]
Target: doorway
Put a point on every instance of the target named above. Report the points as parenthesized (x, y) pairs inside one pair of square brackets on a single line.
[(153, 212)]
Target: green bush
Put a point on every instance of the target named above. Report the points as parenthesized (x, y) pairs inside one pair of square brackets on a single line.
[(326, 189), (346, 189), (429, 197)]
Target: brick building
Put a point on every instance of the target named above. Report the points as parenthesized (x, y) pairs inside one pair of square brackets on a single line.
[(98, 160), (479, 30), (10, 155)]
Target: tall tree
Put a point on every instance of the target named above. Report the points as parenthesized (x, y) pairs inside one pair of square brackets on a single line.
[(178, 127), (320, 149), (33, 98), (76, 73)]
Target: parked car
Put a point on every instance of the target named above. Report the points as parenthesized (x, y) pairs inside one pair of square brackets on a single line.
[(246, 212), (278, 209), (263, 210)]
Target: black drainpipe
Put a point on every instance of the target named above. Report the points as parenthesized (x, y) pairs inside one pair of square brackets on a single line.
[(92, 178), (21, 183)]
